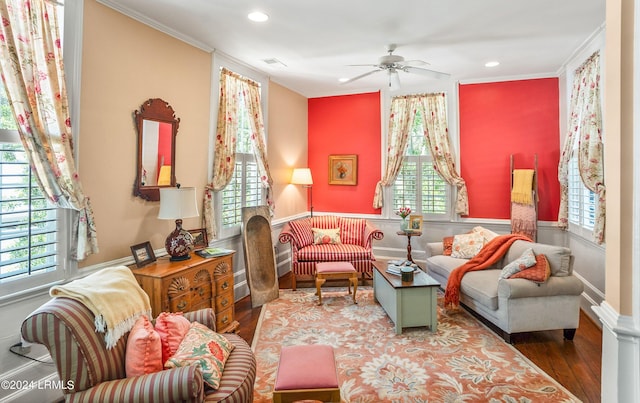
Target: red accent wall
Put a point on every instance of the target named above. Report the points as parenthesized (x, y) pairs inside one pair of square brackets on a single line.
[(347, 124), (504, 118)]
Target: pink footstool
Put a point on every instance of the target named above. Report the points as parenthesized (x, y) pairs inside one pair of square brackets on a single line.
[(306, 372), (333, 271)]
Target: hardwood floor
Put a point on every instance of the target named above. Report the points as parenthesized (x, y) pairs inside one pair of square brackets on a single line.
[(574, 364)]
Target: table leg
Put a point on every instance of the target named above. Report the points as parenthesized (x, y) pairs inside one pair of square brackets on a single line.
[(319, 282), (354, 280), (409, 248)]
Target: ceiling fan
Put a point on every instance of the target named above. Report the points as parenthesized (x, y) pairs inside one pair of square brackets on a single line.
[(393, 63)]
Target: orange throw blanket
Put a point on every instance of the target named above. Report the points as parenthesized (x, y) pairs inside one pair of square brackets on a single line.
[(488, 255)]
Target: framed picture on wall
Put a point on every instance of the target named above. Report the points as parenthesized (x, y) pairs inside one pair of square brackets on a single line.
[(343, 169)]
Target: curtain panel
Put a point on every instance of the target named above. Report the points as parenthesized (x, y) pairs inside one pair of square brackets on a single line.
[(232, 87), (584, 135), (33, 75), (436, 132)]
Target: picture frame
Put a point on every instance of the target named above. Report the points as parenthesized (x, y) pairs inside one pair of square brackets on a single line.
[(200, 240), (143, 254), (415, 222), (343, 169)]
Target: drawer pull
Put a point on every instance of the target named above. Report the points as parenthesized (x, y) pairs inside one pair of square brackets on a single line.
[(200, 292), (182, 305), (225, 319), (224, 302), (225, 285)]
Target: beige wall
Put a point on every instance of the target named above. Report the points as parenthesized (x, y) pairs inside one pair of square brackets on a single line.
[(287, 148), (125, 63), (618, 154)]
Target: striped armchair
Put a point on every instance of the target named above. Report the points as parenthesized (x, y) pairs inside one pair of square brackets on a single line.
[(356, 237), (95, 374)]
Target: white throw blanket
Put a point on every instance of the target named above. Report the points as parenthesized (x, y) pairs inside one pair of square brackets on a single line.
[(114, 297)]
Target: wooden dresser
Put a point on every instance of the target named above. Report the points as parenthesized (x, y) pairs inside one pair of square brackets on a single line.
[(190, 285)]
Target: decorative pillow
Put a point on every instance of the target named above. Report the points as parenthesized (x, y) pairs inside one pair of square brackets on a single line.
[(466, 246), (527, 259), (326, 236), (172, 327), (538, 273), (447, 243), (302, 230), (487, 234), (352, 231), (144, 351), (206, 348)]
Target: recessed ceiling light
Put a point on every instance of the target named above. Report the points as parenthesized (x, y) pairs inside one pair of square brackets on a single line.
[(258, 16), (343, 80), (491, 64)]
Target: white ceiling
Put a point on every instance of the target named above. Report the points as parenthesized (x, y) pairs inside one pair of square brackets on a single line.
[(317, 40)]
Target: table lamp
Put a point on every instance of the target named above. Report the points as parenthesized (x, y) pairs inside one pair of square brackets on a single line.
[(175, 204), (302, 176)]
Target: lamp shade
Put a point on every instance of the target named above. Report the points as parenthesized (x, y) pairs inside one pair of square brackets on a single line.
[(177, 203), (301, 176)]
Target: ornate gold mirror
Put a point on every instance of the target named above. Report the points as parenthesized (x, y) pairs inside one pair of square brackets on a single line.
[(157, 129)]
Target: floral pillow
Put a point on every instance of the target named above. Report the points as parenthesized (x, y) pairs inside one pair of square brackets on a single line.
[(538, 273), (466, 246), (206, 348), (326, 236), (526, 260)]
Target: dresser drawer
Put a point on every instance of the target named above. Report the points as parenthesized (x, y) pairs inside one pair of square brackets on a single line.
[(224, 319), (180, 303), (224, 301), (224, 284)]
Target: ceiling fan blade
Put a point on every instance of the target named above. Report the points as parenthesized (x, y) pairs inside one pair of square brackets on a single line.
[(360, 76), (425, 72), (394, 80), (414, 63)]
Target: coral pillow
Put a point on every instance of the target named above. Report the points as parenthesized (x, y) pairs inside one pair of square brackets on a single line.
[(447, 244), (172, 327), (144, 350), (466, 246), (538, 273), (526, 260), (206, 348), (326, 236)]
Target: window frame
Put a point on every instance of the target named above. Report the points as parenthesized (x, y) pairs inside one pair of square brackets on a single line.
[(577, 195), (21, 285), (220, 61), (422, 160)]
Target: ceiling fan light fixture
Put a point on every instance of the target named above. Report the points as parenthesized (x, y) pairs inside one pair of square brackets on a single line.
[(394, 80)]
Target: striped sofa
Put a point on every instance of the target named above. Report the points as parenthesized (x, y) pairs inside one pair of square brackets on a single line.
[(356, 237), (94, 374)]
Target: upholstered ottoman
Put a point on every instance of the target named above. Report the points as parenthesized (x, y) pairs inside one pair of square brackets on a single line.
[(336, 271), (306, 372)]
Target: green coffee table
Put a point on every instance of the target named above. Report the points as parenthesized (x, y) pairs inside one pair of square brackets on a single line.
[(408, 304)]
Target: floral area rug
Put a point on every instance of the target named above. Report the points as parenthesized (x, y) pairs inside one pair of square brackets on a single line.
[(462, 362)]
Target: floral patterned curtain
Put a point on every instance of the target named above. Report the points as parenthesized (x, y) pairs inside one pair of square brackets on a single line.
[(33, 75), (585, 128), (434, 110), (399, 127), (436, 132), (232, 87)]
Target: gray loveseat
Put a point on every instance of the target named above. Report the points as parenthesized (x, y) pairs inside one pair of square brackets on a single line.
[(515, 304)]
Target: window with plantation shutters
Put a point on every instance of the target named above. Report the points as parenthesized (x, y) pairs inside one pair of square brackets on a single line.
[(418, 185), (244, 189), (582, 201)]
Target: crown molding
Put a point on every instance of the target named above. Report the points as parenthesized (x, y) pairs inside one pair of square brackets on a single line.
[(156, 25)]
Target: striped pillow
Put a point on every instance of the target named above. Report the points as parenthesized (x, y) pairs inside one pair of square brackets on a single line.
[(302, 230), (352, 231)]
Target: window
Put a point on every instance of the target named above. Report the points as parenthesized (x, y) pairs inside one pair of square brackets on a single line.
[(33, 251), (418, 185), (582, 201), (245, 189)]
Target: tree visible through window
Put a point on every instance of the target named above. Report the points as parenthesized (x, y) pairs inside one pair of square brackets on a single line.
[(418, 185)]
